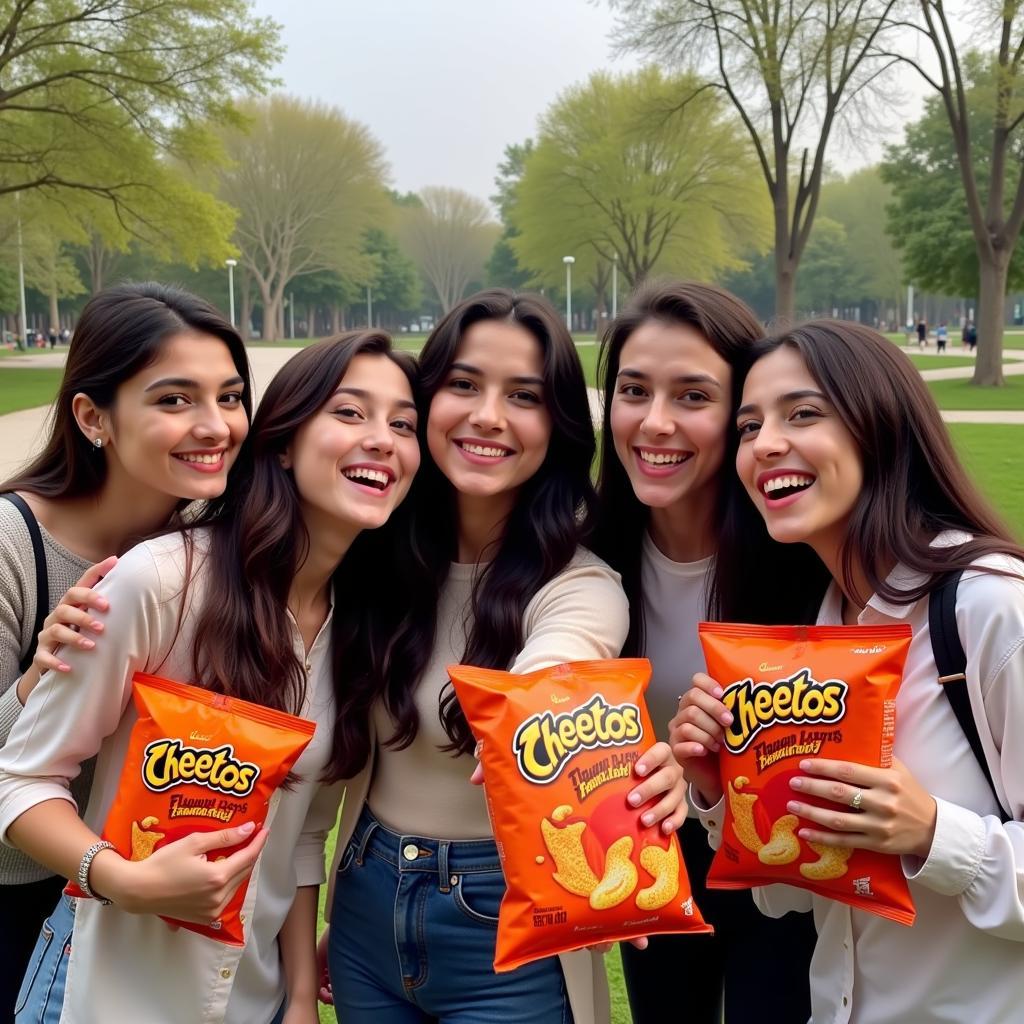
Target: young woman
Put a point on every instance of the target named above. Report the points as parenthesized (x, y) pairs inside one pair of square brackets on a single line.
[(243, 606), (151, 412), (667, 371), (878, 494), (506, 584)]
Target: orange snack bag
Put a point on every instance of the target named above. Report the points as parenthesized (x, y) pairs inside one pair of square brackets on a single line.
[(198, 761), (559, 747), (800, 692)]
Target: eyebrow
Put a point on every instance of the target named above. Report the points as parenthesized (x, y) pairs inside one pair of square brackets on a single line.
[(403, 403), (685, 378), (477, 372), (185, 382), (789, 396)]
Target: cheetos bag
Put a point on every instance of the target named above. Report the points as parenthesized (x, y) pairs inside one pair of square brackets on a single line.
[(799, 692), (198, 761), (559, 747)]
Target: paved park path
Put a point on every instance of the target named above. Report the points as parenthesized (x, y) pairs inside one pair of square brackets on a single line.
[(21, 433)]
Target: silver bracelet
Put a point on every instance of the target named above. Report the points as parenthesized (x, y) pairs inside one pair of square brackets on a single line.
[(83, 870)]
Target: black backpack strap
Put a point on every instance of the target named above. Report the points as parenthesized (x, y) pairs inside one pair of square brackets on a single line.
[(42, 579), (951, 662)]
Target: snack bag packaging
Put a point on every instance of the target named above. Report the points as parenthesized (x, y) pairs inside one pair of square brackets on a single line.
[(198, 761), (559, 747), (800, 692)]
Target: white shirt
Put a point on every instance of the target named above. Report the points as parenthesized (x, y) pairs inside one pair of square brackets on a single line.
[(132, 967), (963, 959), (675, 600)]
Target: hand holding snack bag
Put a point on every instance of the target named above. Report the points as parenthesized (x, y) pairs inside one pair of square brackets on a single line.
[(559, 746), (198, 761), (794, 693)]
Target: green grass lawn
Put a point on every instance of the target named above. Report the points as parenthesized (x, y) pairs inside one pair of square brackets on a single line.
[(25, 388), (994, 455), (961, 394), (924, 362)]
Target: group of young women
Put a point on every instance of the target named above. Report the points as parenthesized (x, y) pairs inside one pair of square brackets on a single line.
[(379, 519)]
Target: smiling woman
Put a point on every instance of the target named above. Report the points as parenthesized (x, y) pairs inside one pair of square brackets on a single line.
[(149, 416)]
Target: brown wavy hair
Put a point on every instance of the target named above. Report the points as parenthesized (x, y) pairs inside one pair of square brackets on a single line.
[(915, 486)]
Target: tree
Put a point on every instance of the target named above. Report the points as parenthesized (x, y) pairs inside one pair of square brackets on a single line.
[(503, 269), (89, 83), (982, 98), (928, 215), (307, 183), (449, 236), (790, 70), (616, 171)]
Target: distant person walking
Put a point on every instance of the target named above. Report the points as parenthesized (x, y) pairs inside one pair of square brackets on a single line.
[(941, 337), (922, 333), (971, 335), (52, 337)]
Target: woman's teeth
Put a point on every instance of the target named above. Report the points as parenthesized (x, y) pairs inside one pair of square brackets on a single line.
[(206, 460), (658, 459), (375, 477), (786, 483), (478, 449)]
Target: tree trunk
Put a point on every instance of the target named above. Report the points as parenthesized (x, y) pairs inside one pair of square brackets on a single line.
[(785, 292), (311, 320), (54, 308), (988, 367), (335, 318), (245, 321)]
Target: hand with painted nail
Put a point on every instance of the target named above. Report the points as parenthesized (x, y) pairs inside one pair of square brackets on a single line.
[(663, 777), (695, 734), (881, 809), (72, 623)]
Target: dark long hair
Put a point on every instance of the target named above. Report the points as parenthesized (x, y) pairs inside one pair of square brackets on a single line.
[(914, 485), (730, 327), (542, 532), (121, 331), (244, 643)]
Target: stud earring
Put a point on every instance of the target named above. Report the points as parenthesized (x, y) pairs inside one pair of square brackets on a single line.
[(98, 441)]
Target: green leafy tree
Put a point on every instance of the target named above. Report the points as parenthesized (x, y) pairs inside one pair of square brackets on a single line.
[(617, 170), (790, 70), (307, 182), (503, 269), (89, 84), (958, 182), (983, 100)]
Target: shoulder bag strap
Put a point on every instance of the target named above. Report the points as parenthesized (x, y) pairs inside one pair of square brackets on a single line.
[(42, 580), (951, 661)]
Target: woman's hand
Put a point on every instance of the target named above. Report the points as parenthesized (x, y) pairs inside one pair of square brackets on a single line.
[(67, 625), (881, 809), (326, 993), (185, 879), (696, 732), (662, 775)]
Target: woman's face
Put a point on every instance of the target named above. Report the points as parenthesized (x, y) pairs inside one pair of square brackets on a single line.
[(488, 428), (670, 413), (796, 458), (354, 461), (176, 426)]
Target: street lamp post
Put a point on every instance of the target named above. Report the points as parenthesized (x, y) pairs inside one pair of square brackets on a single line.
[(231, 264), (568, 261), (615, 285), (22, 315)]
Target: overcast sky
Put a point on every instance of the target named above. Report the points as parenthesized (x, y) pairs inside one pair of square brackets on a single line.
[(445, 85)]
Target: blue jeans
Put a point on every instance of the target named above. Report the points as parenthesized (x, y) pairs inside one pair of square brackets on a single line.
[(413, 928), (42, 991)]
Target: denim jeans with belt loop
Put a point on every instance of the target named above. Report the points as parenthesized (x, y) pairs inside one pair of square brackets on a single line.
[(413, 928)]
